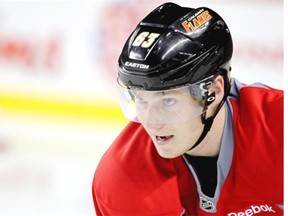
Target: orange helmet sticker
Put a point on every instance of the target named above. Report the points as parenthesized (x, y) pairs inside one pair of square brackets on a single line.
[(196, 21)]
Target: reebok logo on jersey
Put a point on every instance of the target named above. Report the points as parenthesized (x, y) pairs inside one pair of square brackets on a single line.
[(254, 209)]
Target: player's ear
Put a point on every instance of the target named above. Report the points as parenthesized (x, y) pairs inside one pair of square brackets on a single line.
[(219, 88)]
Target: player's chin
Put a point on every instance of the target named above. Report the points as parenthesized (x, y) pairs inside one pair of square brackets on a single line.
[(168, 154)]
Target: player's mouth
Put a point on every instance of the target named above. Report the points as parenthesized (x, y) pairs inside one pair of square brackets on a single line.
[(161, 140)]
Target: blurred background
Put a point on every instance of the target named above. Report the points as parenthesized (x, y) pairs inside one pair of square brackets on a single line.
[(58, 101)]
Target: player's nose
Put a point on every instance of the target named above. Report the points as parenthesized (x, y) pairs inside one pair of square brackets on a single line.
[(153, 119)]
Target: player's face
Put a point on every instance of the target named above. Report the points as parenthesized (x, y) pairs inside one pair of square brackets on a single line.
[(166, 107), (172, 119), (173, 140)]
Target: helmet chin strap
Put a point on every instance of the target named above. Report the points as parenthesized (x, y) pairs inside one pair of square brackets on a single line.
[(207, 122)]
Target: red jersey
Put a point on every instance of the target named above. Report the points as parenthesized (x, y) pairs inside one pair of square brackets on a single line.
[(132, 179)]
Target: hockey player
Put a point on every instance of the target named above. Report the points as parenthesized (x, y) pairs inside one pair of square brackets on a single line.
[(199, 142)]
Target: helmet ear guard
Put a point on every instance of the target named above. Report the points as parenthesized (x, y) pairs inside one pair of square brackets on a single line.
[(211, 97)]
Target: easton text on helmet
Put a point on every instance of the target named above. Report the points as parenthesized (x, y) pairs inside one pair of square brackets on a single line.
[(136, 65)]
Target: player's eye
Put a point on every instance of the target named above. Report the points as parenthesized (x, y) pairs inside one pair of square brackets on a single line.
[(169, 101)]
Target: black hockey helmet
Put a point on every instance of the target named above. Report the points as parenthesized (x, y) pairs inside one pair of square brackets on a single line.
[(174, 46)]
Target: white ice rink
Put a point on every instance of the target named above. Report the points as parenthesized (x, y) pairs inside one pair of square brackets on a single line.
[(47, 166)]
